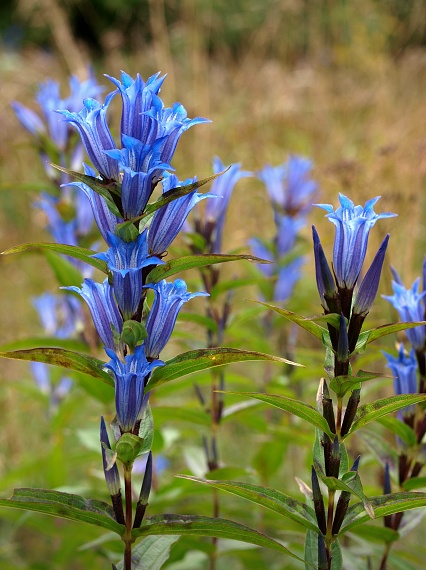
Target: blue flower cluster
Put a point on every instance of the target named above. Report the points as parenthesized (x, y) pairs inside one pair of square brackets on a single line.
[(129, 172), (291, 189), (336, 287)]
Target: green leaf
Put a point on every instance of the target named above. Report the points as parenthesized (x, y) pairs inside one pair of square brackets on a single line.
[(65, 272), (205, 358), (349, 482), (342, 384), (191, 261), (374, 334), (414, 483), (372, 412), (399, 428), (376, 533), (80, 253), (65, 358), (151, 553), (97, 185), (307, 324), (64, 505), (146, 430), (383, 505), (295, 407), (183, 413), (193, 525), (268, 498), (69, 343)]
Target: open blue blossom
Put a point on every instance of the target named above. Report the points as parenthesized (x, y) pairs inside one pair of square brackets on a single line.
[(95, 135), (353, 225), (168, 220), (142, 169), (136, 96), (168, 124), (410, 305), (105, 314), (288, 228), (125, 261), (169, 298), (49, 99), (215, 214), (404, 371), (130, 376), (289, 185)]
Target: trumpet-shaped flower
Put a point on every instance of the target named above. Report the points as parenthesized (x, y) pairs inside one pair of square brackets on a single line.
[(168, 220), (289, 185), (125, 261), (60, 315), (136, 96), (105, 314), (169, 299), (215, 213), (404, 371), (95, 134), (131, 377), (410, 305), (353, 225)]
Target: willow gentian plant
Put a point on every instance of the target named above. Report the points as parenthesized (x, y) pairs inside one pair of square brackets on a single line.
[(346, 300), (138, 232), (409, 373)]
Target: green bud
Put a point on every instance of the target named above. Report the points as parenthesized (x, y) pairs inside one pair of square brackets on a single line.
[(128, 448), (133, 333)]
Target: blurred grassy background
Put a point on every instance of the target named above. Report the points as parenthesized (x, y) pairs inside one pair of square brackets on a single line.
[(341, 82)]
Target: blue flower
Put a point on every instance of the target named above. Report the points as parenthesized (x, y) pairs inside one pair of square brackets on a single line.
[(353, 225), (216, 209), (404, 371), (130, 376), (105, 219), (56, 392), (125, 261), (288, 276), (289, 185), (136, 96), (410, 305), (28, 119), (95, 135), (169, 298), (142, 169), (105, 314), (288, 228), (168, 124), (168, 220), (60, 315), (260, 250)]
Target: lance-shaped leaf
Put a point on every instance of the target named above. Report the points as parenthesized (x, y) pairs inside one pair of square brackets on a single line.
[(166, 198), (265, 497), (65, 358), (373, 334), (190, 261), (192, 525), (66, 506), (414, 483), (295, 407), (401, 429), (65, 272), (311, 553), (342, 384), (308, 324), (371, 412), (383, 505), (349, 482), (80, 253), (151, 553), (196, 360), (104, 189)]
